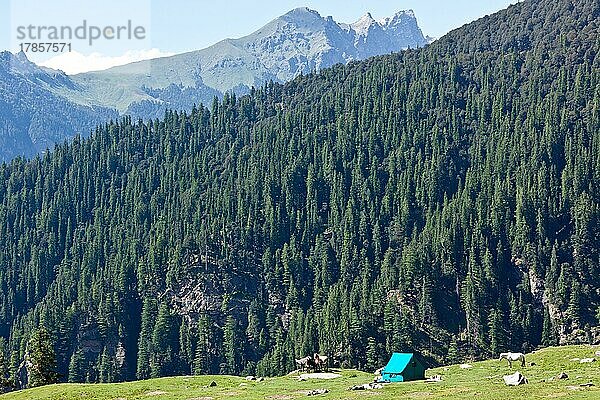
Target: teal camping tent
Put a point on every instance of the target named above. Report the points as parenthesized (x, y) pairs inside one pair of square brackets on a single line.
[(403, 367)]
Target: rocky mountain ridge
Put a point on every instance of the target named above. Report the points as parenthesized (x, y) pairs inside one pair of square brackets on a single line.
[(42, 107)]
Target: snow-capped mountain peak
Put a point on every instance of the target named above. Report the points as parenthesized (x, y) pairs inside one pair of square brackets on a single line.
[(302, 40), (362, 26), (401, 17), (298, 42), (303, 16)]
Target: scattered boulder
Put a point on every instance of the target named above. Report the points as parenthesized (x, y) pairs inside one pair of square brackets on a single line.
[(212, 384), (589, 384), (434, 379), (532, 364), (466, 366), (515, 379), (367, 386), (317, 392), (562, 375), (250, 378), (260, 379), (575, 359), (598, 353), (587, 360)]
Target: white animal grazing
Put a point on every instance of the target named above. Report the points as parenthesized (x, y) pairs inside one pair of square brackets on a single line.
[(510, 357)]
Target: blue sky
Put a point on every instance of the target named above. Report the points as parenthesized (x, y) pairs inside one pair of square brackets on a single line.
[(175, 26)]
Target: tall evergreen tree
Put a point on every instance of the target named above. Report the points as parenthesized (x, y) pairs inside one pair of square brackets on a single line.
[(5, 381), (77, 367), (42, 359)]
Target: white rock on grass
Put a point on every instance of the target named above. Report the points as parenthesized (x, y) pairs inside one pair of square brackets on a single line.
[(515, 379), (434, 379)]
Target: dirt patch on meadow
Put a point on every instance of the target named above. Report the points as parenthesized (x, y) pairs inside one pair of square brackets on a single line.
[(320, 375), (156, 393)]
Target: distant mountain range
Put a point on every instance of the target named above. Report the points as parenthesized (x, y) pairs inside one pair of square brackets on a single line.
[(40, 107), (33, 117)]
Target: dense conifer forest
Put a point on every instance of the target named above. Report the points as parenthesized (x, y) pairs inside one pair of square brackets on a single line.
[(444, 200)]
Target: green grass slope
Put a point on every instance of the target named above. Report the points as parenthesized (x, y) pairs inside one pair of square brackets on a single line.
[(482, 381)]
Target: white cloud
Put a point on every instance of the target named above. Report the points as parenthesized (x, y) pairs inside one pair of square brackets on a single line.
[(74, 62)]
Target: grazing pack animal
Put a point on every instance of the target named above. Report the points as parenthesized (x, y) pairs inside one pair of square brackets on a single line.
[(303, 363), (315, 363), (510, 357), (320, 362)]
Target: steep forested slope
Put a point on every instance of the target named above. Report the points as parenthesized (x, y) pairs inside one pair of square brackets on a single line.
[(444, 200)]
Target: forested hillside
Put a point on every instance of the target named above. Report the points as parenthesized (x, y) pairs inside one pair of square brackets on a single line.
[(444, 200)]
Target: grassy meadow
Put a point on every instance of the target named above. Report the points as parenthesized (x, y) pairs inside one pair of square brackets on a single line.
[(482, 381)]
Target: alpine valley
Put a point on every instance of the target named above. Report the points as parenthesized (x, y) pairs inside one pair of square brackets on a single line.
[(443, 200), (41, 107)]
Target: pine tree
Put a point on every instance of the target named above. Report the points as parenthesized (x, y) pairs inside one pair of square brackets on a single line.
[(185, 344), (77, 367), (372, 355), (453, 354), (574, 309), (42, 359), (202, 356), (231, 346), (497, 335), (163, 343), (5, 381), (145, 339), (106, 367), (548, 333)]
